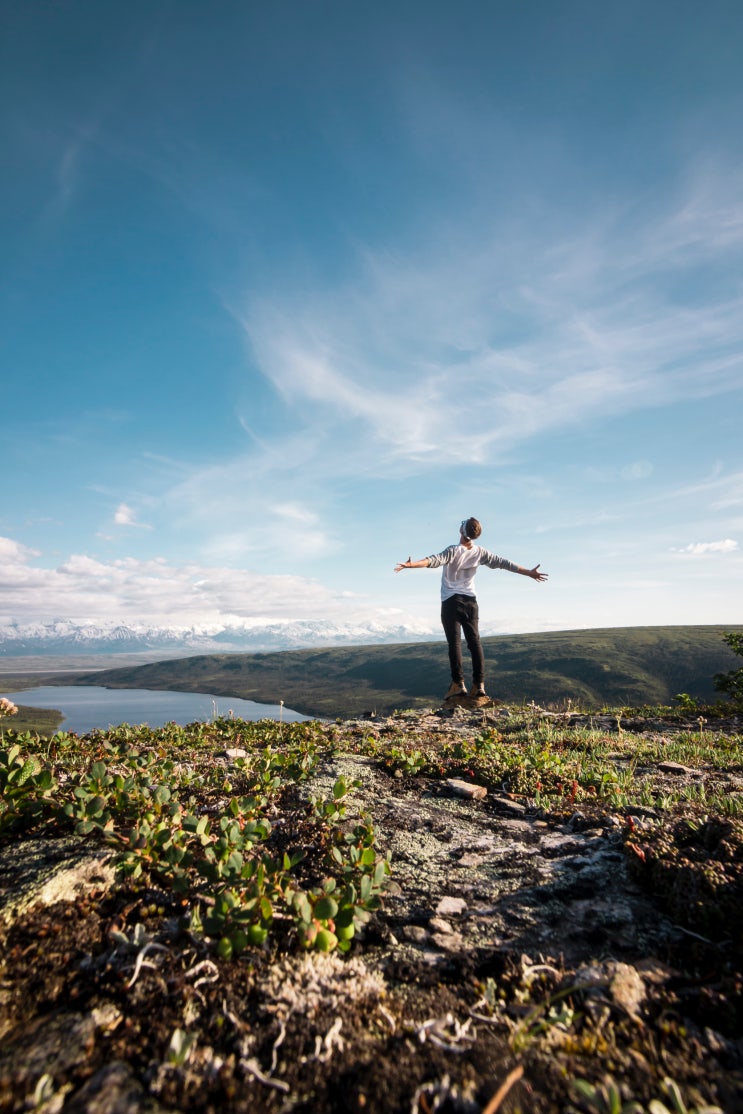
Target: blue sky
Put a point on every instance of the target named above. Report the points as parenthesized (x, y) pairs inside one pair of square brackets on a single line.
[(289, 289)]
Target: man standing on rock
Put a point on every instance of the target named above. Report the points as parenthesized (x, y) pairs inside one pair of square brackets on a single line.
[(459, 611)]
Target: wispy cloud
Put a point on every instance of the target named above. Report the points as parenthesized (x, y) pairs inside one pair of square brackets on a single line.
[(638, 470), (469, 349), (721, 491), (710, 220), (252, 502), (67, 165), (462, 353), (702, 549)]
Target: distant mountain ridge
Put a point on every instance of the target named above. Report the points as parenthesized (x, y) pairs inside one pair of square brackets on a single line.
[(63, 636)]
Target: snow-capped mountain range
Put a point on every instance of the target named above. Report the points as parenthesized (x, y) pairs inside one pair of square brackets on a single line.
[(62, 636)]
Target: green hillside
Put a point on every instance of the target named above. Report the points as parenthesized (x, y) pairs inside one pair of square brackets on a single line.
[(614, 667)]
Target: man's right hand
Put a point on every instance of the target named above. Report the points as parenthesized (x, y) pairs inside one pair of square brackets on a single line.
[(403, 564)]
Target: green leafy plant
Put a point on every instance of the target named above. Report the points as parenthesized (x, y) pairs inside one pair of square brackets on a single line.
[(678, 1106), (405, 760), (171, 821), (732, 683), (605, 1098), (180, 1048), (26, 789)]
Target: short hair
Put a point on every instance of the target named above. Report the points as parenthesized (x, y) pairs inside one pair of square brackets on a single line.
[(472, 529)]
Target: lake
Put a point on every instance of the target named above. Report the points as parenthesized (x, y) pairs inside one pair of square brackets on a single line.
[(88, 707)]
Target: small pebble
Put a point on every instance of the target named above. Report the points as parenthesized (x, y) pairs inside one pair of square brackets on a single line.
[(438, 924), (466, 789), (451, 906)]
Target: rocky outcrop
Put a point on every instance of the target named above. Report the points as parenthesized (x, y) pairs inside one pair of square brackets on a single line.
[(479, 872), (47, 871)]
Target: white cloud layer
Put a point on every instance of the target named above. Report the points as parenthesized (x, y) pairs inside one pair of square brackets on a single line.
[(159, 593)]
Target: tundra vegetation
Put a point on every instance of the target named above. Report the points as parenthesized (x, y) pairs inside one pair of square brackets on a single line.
[(249, 941)]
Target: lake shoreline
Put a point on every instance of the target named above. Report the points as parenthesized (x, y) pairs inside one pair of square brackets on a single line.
[(97, 707)]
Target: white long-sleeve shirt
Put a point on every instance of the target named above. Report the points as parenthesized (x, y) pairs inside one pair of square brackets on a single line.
[(459, 564)]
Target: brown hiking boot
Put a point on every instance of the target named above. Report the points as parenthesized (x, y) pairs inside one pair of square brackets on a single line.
[(477, 690), (456, 688)]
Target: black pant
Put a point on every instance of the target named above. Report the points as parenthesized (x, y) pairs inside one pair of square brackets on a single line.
[(460, 613)]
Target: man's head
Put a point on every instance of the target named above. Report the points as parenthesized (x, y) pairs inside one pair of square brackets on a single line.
[(470, 529)]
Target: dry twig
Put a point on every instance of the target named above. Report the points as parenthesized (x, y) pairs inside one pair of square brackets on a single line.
[(512, 1078)]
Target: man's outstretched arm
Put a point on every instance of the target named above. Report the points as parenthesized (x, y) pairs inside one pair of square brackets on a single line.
[(411, 564), (494, 562)]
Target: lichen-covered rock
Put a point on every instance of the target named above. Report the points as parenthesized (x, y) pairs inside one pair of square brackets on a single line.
[(45, 871)]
